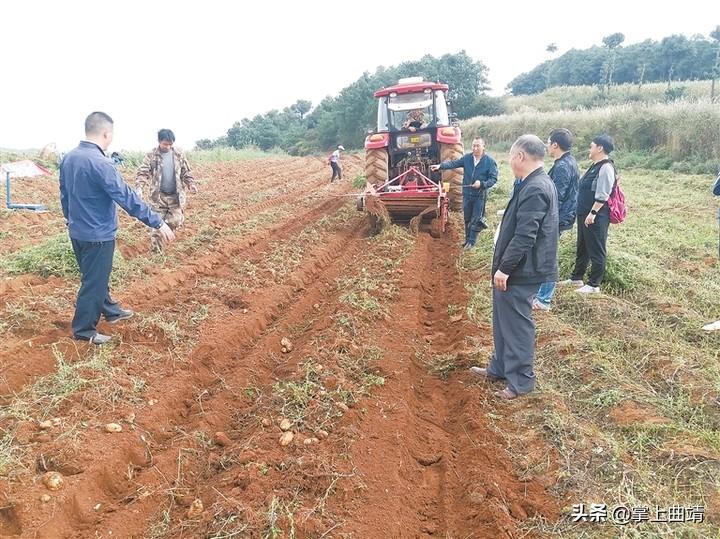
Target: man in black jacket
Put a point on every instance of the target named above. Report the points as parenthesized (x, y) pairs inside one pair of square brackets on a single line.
[(525, 256)]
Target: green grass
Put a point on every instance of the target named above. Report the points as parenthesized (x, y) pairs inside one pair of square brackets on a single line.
[(54, 256), (361, 368), (94, 372), (70, 377), (441, 365), (359, 182), (362, 301), (260, 220), (17, 315), (9, 454), (364, 292), (280, 519), (166, 323), (637, 349), (304, 400)]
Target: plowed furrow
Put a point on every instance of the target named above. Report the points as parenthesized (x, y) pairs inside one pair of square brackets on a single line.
[(224, 354)]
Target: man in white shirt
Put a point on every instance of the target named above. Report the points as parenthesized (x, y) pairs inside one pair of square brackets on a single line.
[(334, 161)]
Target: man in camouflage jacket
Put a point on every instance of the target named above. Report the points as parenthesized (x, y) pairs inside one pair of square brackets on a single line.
[(163, 178)]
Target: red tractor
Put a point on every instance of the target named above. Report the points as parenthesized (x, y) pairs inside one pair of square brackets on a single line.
[(413, 132)]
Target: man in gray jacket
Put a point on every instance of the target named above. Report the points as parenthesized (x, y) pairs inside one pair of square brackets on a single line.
[(525, 256)]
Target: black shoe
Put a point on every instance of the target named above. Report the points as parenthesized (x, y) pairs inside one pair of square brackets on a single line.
[(99, 339), (124, 315)]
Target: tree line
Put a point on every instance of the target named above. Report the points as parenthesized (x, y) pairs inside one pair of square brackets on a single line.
[(673, 58), (301, 129)]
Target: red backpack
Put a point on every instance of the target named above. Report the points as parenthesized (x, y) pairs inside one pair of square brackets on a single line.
[(616, 202)]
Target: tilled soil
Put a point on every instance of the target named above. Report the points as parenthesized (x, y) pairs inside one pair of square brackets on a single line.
[(286, 375)]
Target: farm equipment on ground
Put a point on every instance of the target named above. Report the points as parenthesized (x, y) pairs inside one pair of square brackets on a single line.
[(413, 132)]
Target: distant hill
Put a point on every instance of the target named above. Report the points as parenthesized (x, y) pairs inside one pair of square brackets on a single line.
[(673, 58)]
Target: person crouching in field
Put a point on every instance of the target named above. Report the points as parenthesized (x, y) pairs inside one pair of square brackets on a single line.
[(163, 177)]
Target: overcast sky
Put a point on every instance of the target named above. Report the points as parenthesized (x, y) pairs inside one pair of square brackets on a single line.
[(198, 66)]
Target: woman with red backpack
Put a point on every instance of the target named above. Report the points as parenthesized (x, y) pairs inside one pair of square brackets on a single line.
[(593, 216)]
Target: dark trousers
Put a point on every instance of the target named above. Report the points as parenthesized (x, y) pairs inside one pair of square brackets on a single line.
[(514, 337), (95, 260), (337, 171), (591, 247), (474, 214)]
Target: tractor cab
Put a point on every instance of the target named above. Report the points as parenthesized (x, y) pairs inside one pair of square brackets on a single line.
[(395, 109)]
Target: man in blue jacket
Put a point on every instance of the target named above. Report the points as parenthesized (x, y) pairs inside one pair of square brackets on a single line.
[(565, 174), (90, 186), (480, 172)]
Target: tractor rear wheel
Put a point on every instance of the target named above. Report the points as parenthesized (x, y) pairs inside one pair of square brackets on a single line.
[(454, 176), (376, 166)]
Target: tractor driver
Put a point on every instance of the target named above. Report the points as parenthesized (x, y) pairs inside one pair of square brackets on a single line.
[(415, 120)]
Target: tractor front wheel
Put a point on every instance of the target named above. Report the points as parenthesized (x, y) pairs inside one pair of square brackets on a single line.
[(450, 152), (376, 166)]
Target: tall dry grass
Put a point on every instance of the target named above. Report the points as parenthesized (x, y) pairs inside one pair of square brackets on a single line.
[(684, 135), (587, 97)]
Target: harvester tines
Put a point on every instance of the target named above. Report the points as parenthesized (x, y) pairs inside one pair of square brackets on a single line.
[(415, 221), (378, 209)]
